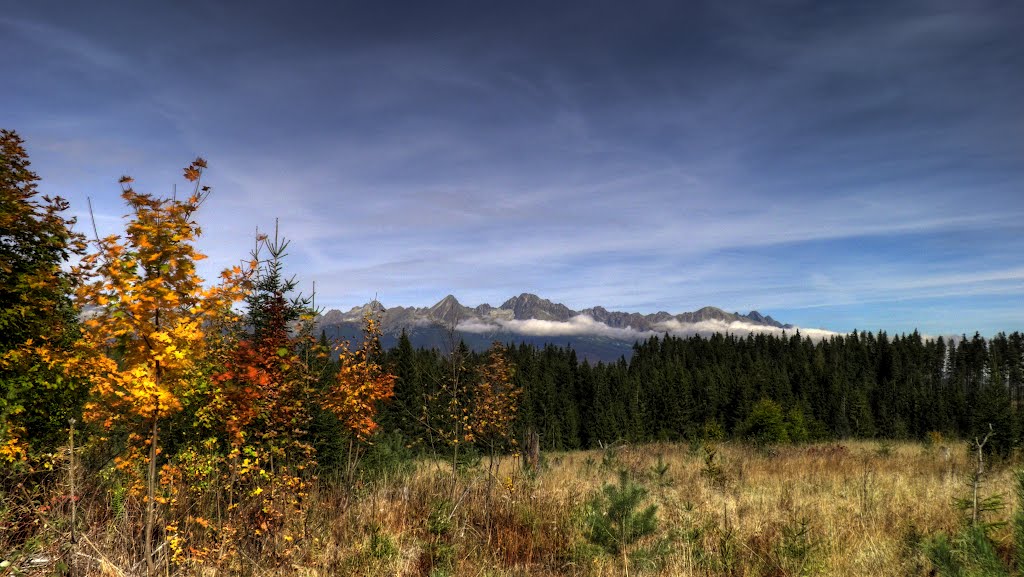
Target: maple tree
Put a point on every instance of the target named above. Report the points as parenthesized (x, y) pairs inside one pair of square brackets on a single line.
[(145, 340), (36, 312)]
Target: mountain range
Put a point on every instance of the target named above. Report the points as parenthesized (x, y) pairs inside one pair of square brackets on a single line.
[(595, 333)]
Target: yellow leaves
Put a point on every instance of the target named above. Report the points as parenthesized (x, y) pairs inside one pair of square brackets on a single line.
[(153, 305), (13, 450), (361, 383), (496, 398)]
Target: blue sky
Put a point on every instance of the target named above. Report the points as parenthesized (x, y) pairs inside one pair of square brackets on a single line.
[(836, 165)]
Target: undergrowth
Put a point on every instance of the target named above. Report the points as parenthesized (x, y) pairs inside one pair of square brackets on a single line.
[(726, 509)]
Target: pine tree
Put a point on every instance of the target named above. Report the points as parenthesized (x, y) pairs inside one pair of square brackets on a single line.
[(614, 521), (261, 395)]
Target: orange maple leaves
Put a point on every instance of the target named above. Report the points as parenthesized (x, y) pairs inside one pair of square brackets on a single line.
[(155, 337), (149, 307)]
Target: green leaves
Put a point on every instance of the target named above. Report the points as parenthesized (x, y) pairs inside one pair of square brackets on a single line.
[(35, 243)]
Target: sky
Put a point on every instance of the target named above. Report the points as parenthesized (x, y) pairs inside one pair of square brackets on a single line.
[(839, 165)]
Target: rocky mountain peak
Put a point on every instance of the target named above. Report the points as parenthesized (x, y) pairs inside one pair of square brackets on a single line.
[(604, 335), (448, 301), (530, 306), (449, 311)]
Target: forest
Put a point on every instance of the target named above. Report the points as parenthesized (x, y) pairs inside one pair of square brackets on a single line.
[(673, 388), (154, 423)]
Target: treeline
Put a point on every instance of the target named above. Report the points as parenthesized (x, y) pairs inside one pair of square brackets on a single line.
[(861, 385)]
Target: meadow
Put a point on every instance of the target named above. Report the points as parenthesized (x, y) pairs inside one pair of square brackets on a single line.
[(853, 508)]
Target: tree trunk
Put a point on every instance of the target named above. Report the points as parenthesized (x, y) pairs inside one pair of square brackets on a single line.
[(150, 500), (71, 490), (531, 454)]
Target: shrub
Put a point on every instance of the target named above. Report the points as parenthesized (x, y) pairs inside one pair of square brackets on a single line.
[(387, 457), (614, 521), (766, 424)]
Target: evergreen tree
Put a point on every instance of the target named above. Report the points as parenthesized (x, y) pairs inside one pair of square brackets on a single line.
[(403, 413), (614, 521), (766, 424)]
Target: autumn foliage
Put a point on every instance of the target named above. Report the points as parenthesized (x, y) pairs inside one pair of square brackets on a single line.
[(261, 393), (149, 315), (37, 326), (255, 414), (37, 319), (361, 384), (495, 401)]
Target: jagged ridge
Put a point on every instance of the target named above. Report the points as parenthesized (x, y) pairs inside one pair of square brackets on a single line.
[(450, 312)]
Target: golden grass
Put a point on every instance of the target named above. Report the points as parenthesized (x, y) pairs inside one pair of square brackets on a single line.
[(864, 506)]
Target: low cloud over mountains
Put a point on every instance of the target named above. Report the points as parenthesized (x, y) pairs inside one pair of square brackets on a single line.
[(531, 318)]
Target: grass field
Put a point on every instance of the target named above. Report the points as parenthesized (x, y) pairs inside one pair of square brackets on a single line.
[(852, 509)]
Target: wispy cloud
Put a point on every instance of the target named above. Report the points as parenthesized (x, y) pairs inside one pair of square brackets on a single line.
[(850, 163), (71, 45)]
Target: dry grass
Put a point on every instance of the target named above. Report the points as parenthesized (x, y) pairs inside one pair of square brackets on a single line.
[(861, 507)]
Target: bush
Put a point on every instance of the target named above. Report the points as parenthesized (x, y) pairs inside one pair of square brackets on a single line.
[(796, 426), (387, 457), (766, 424), (614, 522)]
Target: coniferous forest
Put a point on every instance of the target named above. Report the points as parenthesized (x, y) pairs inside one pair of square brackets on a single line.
[(861, 385)]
